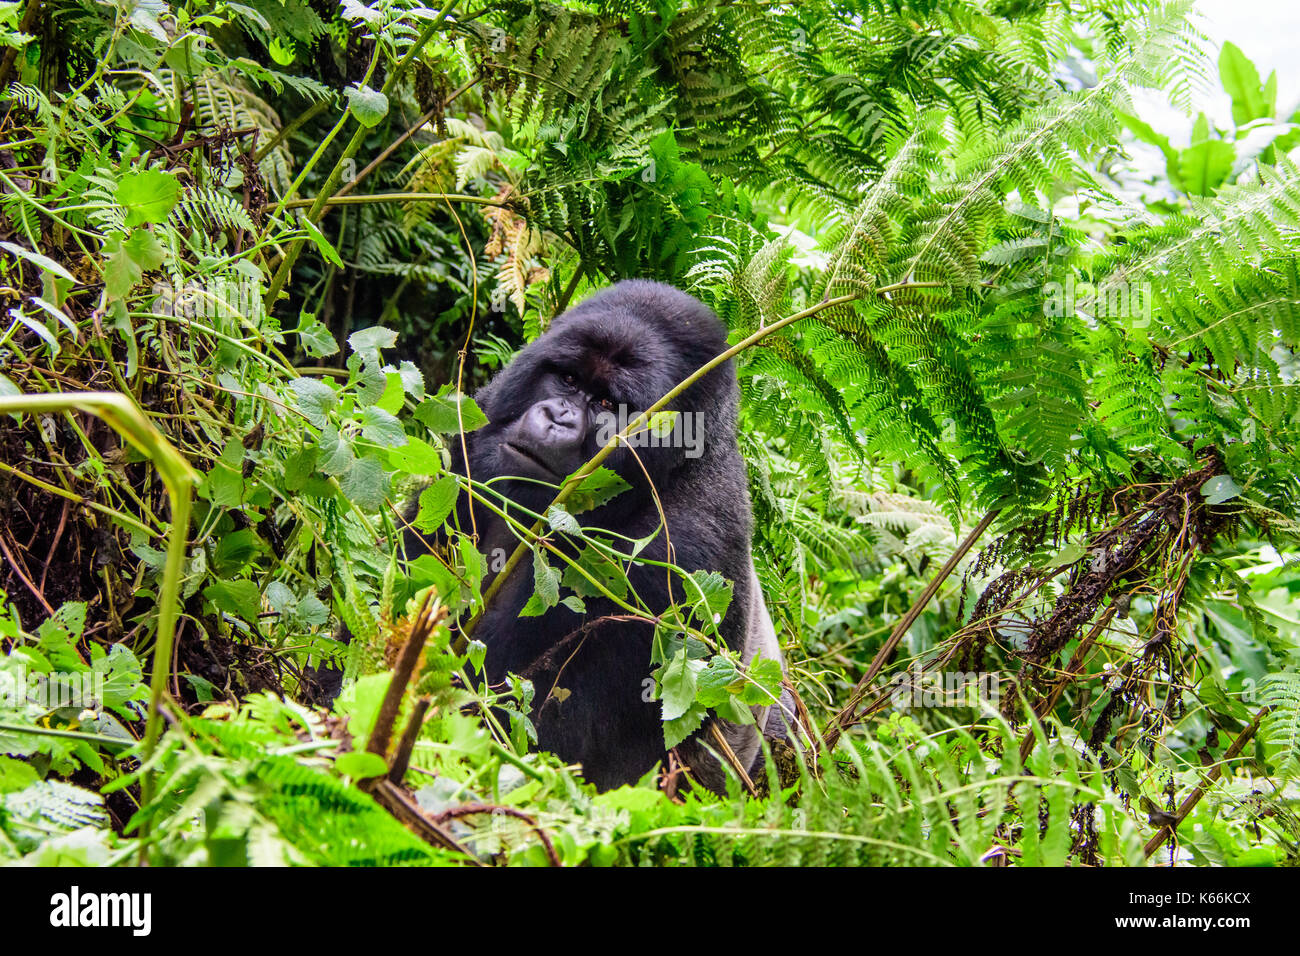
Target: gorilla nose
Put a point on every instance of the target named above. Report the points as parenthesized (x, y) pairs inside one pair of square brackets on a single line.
[(558, 412), (550, 433)]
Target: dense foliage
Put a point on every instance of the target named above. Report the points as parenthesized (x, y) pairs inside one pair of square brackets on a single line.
[(990, 375)]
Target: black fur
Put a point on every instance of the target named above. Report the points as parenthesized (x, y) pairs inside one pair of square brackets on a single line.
[(630, 343)]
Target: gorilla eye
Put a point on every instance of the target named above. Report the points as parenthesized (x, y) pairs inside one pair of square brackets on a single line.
[(570, 380), (607, 404)]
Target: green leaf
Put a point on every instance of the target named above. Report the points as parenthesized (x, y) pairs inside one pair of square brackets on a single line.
[(236, 549), (147, 196), (675, 731), (1241, 81), (546, 584), (436, 502), (300, 467), (416, 457), (561, 520), (15, 775), (316, 399), (312, 612), (1204, 167), (36, 325), (383, 429), (316, 338), (225, 485), (127, 260), (391, 400), (204, 689), (1219, 489), (360, 765), (1144, 132), (323, 245), (46, 263), (371, 339), (765, 673), (677, 685), (336, 452), (366, 484), (718, 681), (367, 105), (713, 598), (412, 380), (596, 489), (239, 598), (604, 570), (439, 412)]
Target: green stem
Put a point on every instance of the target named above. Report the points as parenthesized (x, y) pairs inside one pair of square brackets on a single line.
[(125, 417), (576, 479), (98, 739), (332, 181), (395, 197)]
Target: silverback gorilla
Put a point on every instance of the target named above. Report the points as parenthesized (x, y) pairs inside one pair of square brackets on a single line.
[(623, 348)]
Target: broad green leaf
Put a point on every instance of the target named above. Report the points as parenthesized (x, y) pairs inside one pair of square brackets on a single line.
[(765, 674), (416, 457), (316, 339), (1219, 489), (371, 339), (126, 260), (1203, 168), (147, 196), (360, 764), (677, 730), (596, 489), (435, 504), (1241, 81), (367, 105), (380, 427), (238, 598), (439, 413), (316, 399), (677, 685), (366, 484)]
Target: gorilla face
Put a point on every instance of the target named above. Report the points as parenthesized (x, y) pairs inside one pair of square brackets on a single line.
[(598, 367)]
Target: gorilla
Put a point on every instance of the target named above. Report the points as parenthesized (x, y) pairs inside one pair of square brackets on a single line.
[(549, 411)]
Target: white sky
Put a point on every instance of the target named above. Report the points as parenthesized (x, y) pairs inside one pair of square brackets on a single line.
[(1268, 32)]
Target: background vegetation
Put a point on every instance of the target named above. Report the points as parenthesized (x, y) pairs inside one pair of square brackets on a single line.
[(291, 235)]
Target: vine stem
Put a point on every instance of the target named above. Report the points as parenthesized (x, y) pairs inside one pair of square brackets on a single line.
[(1192, 799), (341, 200), (125, 417), (332, 181), (397, 143), (848, 715), (573, 481)]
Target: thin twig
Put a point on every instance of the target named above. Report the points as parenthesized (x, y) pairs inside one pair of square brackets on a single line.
[(1192, 799), (396, 144), (847, 716), (426, 619), (475, 809), (402, 759), (18, 570)]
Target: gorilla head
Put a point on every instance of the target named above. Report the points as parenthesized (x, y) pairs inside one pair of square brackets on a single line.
[(550, 410), (598, 366)]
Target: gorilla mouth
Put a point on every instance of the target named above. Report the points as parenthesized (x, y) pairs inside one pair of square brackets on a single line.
[(532, 458)]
